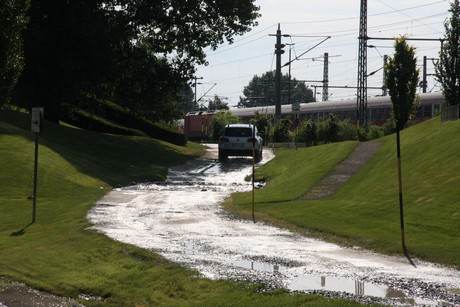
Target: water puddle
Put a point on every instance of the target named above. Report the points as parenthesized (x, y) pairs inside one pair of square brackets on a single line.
[(309, 283)]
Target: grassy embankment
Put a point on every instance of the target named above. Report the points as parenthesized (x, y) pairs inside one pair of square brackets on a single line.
[(60, 254), (365, 212)]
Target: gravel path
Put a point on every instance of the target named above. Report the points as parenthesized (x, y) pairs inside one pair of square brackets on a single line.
[(330, 184)]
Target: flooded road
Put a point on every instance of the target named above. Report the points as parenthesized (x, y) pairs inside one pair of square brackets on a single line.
[(182, 220)]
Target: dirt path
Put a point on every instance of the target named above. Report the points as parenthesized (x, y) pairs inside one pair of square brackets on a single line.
[(330, 184)]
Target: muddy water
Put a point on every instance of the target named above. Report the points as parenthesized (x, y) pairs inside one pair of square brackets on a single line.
[(182, 220)]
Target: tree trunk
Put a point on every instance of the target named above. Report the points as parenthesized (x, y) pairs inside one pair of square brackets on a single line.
[(401, 208)]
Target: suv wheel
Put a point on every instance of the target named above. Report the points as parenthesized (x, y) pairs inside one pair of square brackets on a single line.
[(222, 157)]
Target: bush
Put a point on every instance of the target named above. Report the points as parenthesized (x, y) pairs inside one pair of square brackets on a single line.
[(328, 130), (262, 122), (375, 132), (85, 120), (348, 131), (361, 134), (111, 112), (389, 127), (282, 132), (219, 121), (308, 133)]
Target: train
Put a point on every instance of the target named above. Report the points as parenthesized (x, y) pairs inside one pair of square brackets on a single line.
[(197, 124)]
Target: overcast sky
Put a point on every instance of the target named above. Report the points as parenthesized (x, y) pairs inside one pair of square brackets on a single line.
[(308, 22)]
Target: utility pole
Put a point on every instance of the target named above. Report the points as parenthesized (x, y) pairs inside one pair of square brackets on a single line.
[(424, 83), (289, 84), (278, 51), (326, 77), (196, 78), (362, 67), (384, 86), (424, 75)]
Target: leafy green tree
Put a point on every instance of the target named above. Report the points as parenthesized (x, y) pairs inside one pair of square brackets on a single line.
[(71, 48), (13, 22), (260, 91), (401, 78), (219, 121), (149, 87), (217, 104), (188, 99), (448, 67), (136, 53), (181, 29)]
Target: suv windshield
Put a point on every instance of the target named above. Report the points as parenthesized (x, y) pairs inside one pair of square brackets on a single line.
[(238, 132)]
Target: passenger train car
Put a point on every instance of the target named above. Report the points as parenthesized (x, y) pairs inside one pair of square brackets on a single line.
[(198, 124)]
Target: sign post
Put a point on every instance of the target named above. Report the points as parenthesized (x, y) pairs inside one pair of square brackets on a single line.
[(253, 168), (36, 127)]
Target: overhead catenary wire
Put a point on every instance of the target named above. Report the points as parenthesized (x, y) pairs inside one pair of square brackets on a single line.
[(341, 38)]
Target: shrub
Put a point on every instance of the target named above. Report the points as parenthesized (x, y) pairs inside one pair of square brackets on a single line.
[(375, 132), (282, 133), (308, 132), (348, 131), (85, 120), (219, 121), (328, 130), (111, 112)]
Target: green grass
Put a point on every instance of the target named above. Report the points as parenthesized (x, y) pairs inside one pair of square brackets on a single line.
[(365, 212), (60, 254)]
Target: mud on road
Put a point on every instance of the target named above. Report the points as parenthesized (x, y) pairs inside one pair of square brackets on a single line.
[(182, 220)]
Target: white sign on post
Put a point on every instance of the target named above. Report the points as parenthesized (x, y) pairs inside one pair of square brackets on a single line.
[(37, 119)]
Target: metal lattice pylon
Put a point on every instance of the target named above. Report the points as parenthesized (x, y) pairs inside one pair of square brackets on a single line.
[(362, 67), (326, 77)]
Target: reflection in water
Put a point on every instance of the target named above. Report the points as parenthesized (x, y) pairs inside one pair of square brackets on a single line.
[(335, 284)]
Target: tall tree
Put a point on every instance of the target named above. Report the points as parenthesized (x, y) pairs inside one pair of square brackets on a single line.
[(81, 47), (71, 47), (187, 98), (401, 78), (448, 67), (260, 91), (181, 29), (13, 21)]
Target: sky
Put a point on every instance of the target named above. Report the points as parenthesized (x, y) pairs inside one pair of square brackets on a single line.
[(308, 23)]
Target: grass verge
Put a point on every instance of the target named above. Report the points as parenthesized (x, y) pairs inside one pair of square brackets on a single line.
[(61, 255), (365, 212)]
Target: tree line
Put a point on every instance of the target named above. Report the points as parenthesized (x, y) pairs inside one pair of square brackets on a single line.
[(141, 54), (138, 54)]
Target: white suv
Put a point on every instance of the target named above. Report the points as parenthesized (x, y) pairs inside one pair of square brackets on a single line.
[(238, 140)]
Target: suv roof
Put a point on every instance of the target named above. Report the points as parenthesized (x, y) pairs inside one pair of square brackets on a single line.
[(239, 126)]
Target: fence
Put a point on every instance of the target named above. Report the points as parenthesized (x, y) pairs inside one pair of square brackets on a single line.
[(450, 113)]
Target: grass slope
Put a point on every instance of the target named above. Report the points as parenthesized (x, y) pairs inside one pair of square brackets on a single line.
[(60, 254), (365, 212)]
